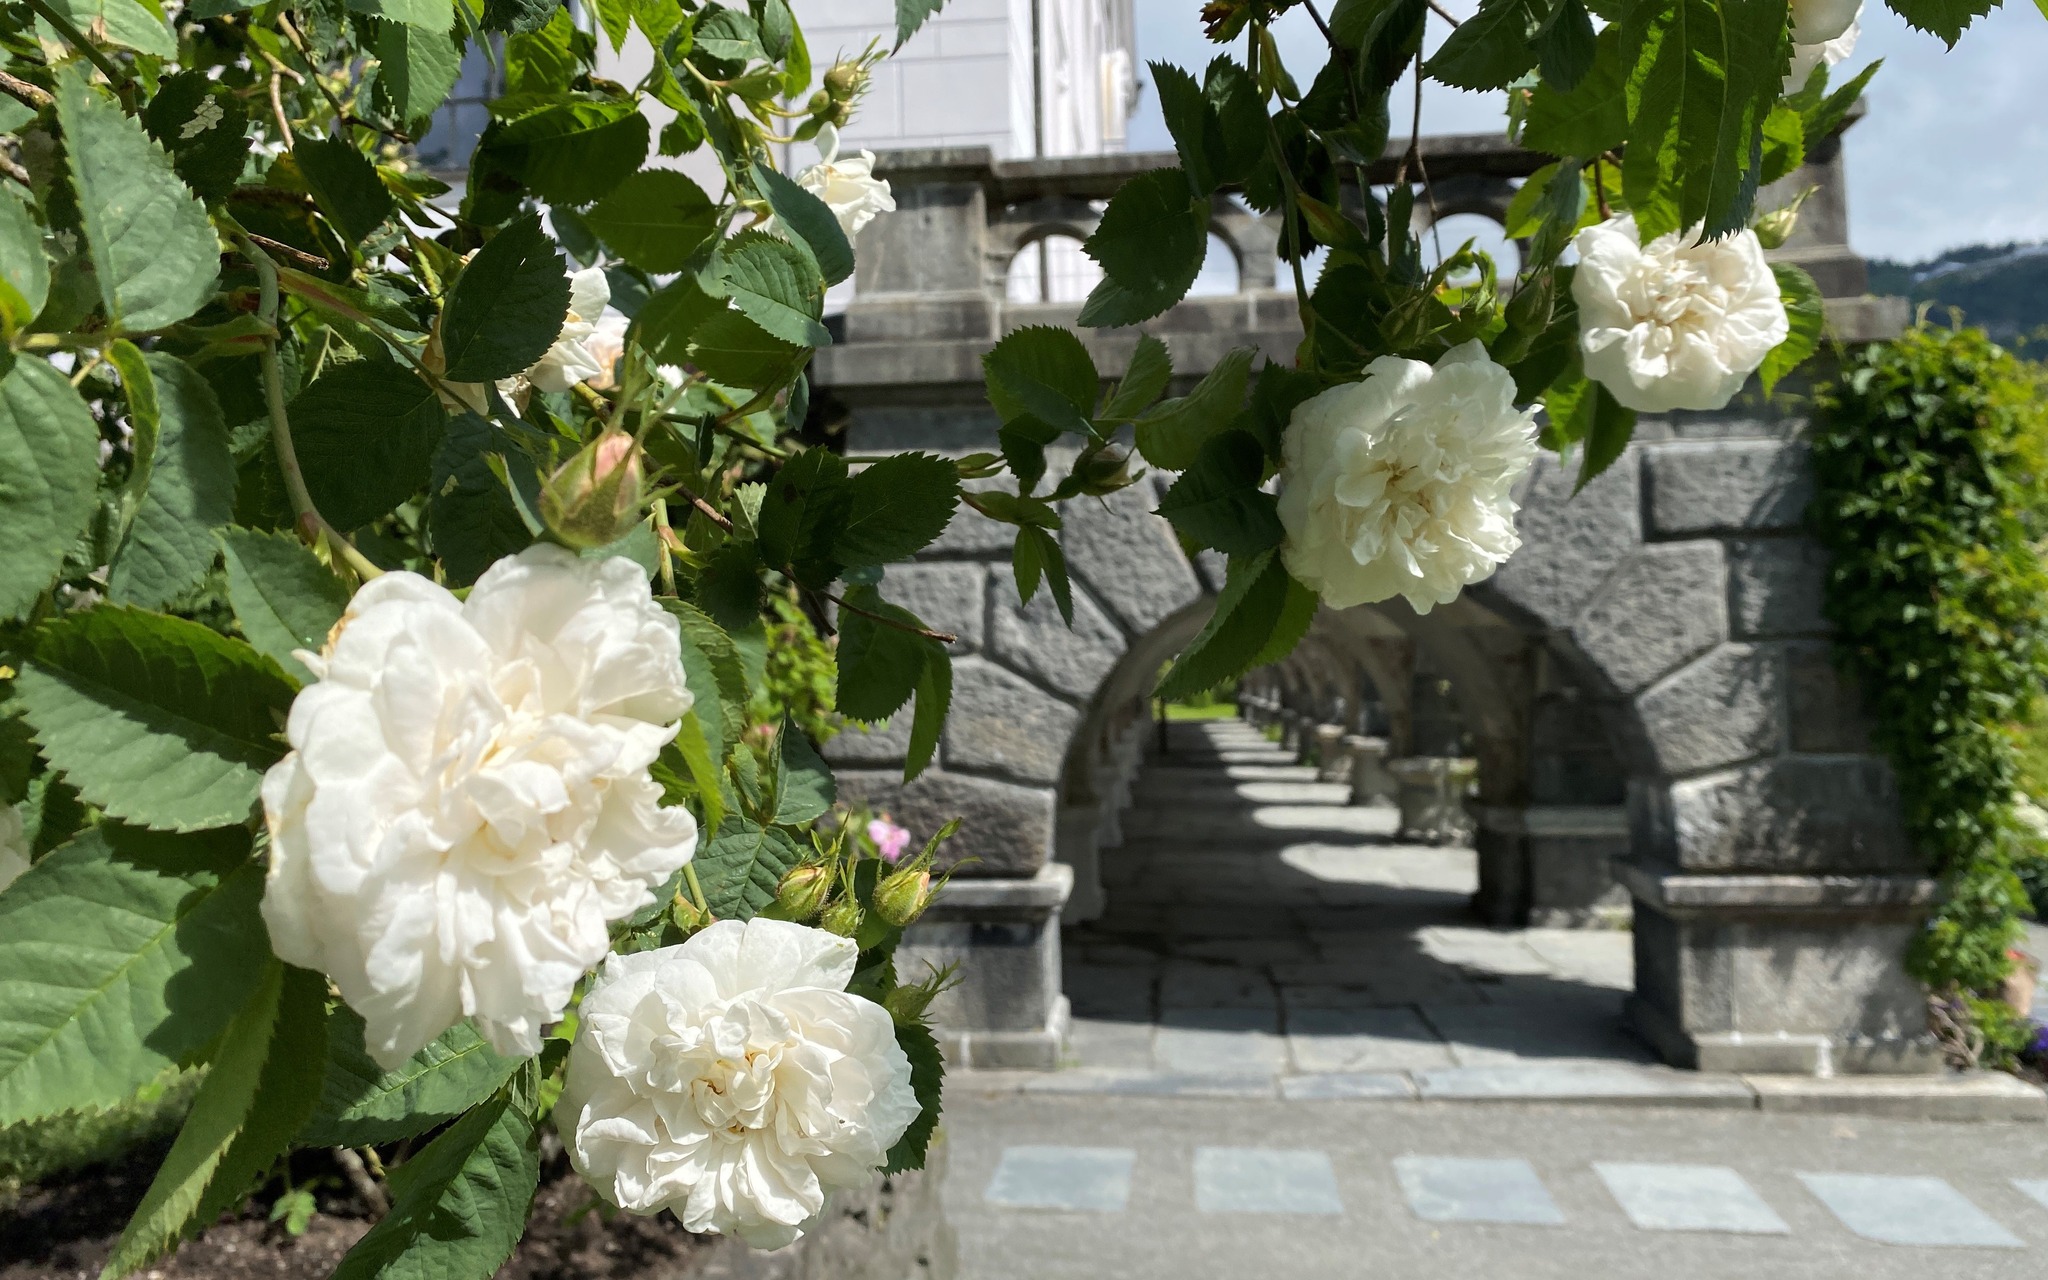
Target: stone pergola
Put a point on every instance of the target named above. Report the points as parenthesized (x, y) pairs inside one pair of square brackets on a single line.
[(1648, 679)]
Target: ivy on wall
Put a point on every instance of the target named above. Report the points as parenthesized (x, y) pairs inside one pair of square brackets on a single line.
[(1929, 455)]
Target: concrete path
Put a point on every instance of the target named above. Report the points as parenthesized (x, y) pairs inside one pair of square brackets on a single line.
[(1179, 1189)]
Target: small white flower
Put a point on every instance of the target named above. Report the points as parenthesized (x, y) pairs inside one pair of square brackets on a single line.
[(733, 1081), (1674, 324), (1807, 56), (848, 186), (206, 115), (1818, 21), (467, 804), (14, 850), (1401, 484)]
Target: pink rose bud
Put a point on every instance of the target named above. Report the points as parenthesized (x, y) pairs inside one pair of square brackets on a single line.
[(890, 839)]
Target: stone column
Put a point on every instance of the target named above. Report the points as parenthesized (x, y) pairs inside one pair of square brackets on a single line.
[(1331, 763), (1075, 844), (1432, 797), (1370, 781), (1008, 1010), (1567, 852)]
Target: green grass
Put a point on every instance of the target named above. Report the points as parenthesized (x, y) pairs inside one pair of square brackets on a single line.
[(1176, 711)]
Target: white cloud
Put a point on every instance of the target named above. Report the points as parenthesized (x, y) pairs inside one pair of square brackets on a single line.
[(1952, 151)]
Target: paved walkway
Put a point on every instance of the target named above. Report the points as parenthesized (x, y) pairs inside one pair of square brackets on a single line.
[(1179, 1189), (1260, 926)]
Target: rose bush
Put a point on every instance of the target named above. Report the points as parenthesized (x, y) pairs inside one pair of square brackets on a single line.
[(847, 185)]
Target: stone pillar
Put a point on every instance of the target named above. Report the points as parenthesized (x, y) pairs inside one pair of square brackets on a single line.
[(1290, 729), (1331, 763), (1075, 843), (1432, 798), (1008, 1010), (1371, 783), (1566, 853)]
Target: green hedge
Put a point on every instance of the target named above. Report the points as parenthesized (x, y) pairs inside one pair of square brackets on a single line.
[(1928, 453)]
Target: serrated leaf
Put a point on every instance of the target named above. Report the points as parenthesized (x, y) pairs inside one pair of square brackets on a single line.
[(204, 127), (459, 1206), (572, 152), (507, 306), (910, 15), (1566, 45), (1037, 555), (122, 955), (283, 597), (49, 478), (774, 284), (152, 247), (805, 789), (1197, 134), (811, 220), (1490, 49), (126, 23), (1589, 118), (1253, 616), (731, 349), (159, 721), (934, 699), (1947, 19), (1149, 374), (897, 507), (880, 658), (714, 675), (1603, 428), (258, 1089), (344, 184), (687, 770), (1044, 373), (430, 15), (1218, 503), (656, 220), (366, 434), (472, 513), (741, 866), (24, 267), (1806, 315), (170, 547), (927, 1081), (361, 1104), (1171, 436), (417, 67), (1150, 245)]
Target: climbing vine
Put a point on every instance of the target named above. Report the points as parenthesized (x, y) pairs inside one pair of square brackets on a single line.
[(1929, 458)]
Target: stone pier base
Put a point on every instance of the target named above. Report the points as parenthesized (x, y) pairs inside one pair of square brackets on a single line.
[(1008, 1010)]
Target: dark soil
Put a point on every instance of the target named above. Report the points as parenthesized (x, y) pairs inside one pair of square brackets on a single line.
[(65, 1230)]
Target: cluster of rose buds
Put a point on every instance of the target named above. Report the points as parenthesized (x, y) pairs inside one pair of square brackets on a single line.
[(844, 889)]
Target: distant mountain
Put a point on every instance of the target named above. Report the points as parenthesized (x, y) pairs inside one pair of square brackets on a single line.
[(2002, 288)]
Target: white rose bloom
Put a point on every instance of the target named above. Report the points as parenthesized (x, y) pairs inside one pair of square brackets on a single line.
[(733, 1081), (1674, 325), (848, 186), (606, 344), (467, 804), (1805, 57), (570, 360), (1400, 484), (14, 850), (1818, 21)]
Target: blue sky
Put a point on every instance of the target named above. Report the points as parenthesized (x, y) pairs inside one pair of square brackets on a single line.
[(1954, 150)]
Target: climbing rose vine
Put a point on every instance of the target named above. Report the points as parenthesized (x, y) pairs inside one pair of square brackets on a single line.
[(398, 723)]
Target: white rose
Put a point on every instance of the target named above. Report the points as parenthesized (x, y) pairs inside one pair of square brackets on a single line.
[(570, 361), (1818, 21), (1805, 57), (1400, 484), (467, 805), (14, 850), (733, 1081), (606, 344), (848, 186), (1674, 325)]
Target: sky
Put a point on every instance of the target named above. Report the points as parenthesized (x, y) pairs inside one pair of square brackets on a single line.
[(1954, 149)]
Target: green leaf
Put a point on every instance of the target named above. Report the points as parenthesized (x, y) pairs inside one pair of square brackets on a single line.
[(417, 67), (910, 15), (927, 1080), (170, 548), (1218, 502), (806, 216), (687, 770), (283, 597), (258, 1089), (1150, 372), (898, 506), (774, 284), (934, 698), (1826, 116), (1602, 426), (742, 865), (714, 674), (1037, 555), (519, 16), (1197, 134), (1566, 46), (362, 1104), (1045, 373), (731, 349), (24, 267), (459, 1206), (507, 306), (1947, 19), (1254, 613), (1592, 116), (158, 721), (1784, 142), (121, 956), (366, 434), (1171, 436), (879, 664), (428, 15), (1490, 49), (152, 247), (1807, 317), (126, 23), (472, 514), (49, 478), (204, 127), (806, 790), (573, 152), (656, 220), (615, 19), (1150, 244), (1240, 117), (344, 184)]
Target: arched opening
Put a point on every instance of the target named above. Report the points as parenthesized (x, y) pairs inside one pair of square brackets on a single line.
[(1052, 268), (1449, 233), (1220, 274)]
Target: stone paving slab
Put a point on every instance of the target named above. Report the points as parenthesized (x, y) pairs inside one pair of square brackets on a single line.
[(1689, 1197), (1489, 1036), (1349, 1086), (1908, 1210), (1096, 1179), (1464, 1189), (1220, 1041), (1345, 1040)]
